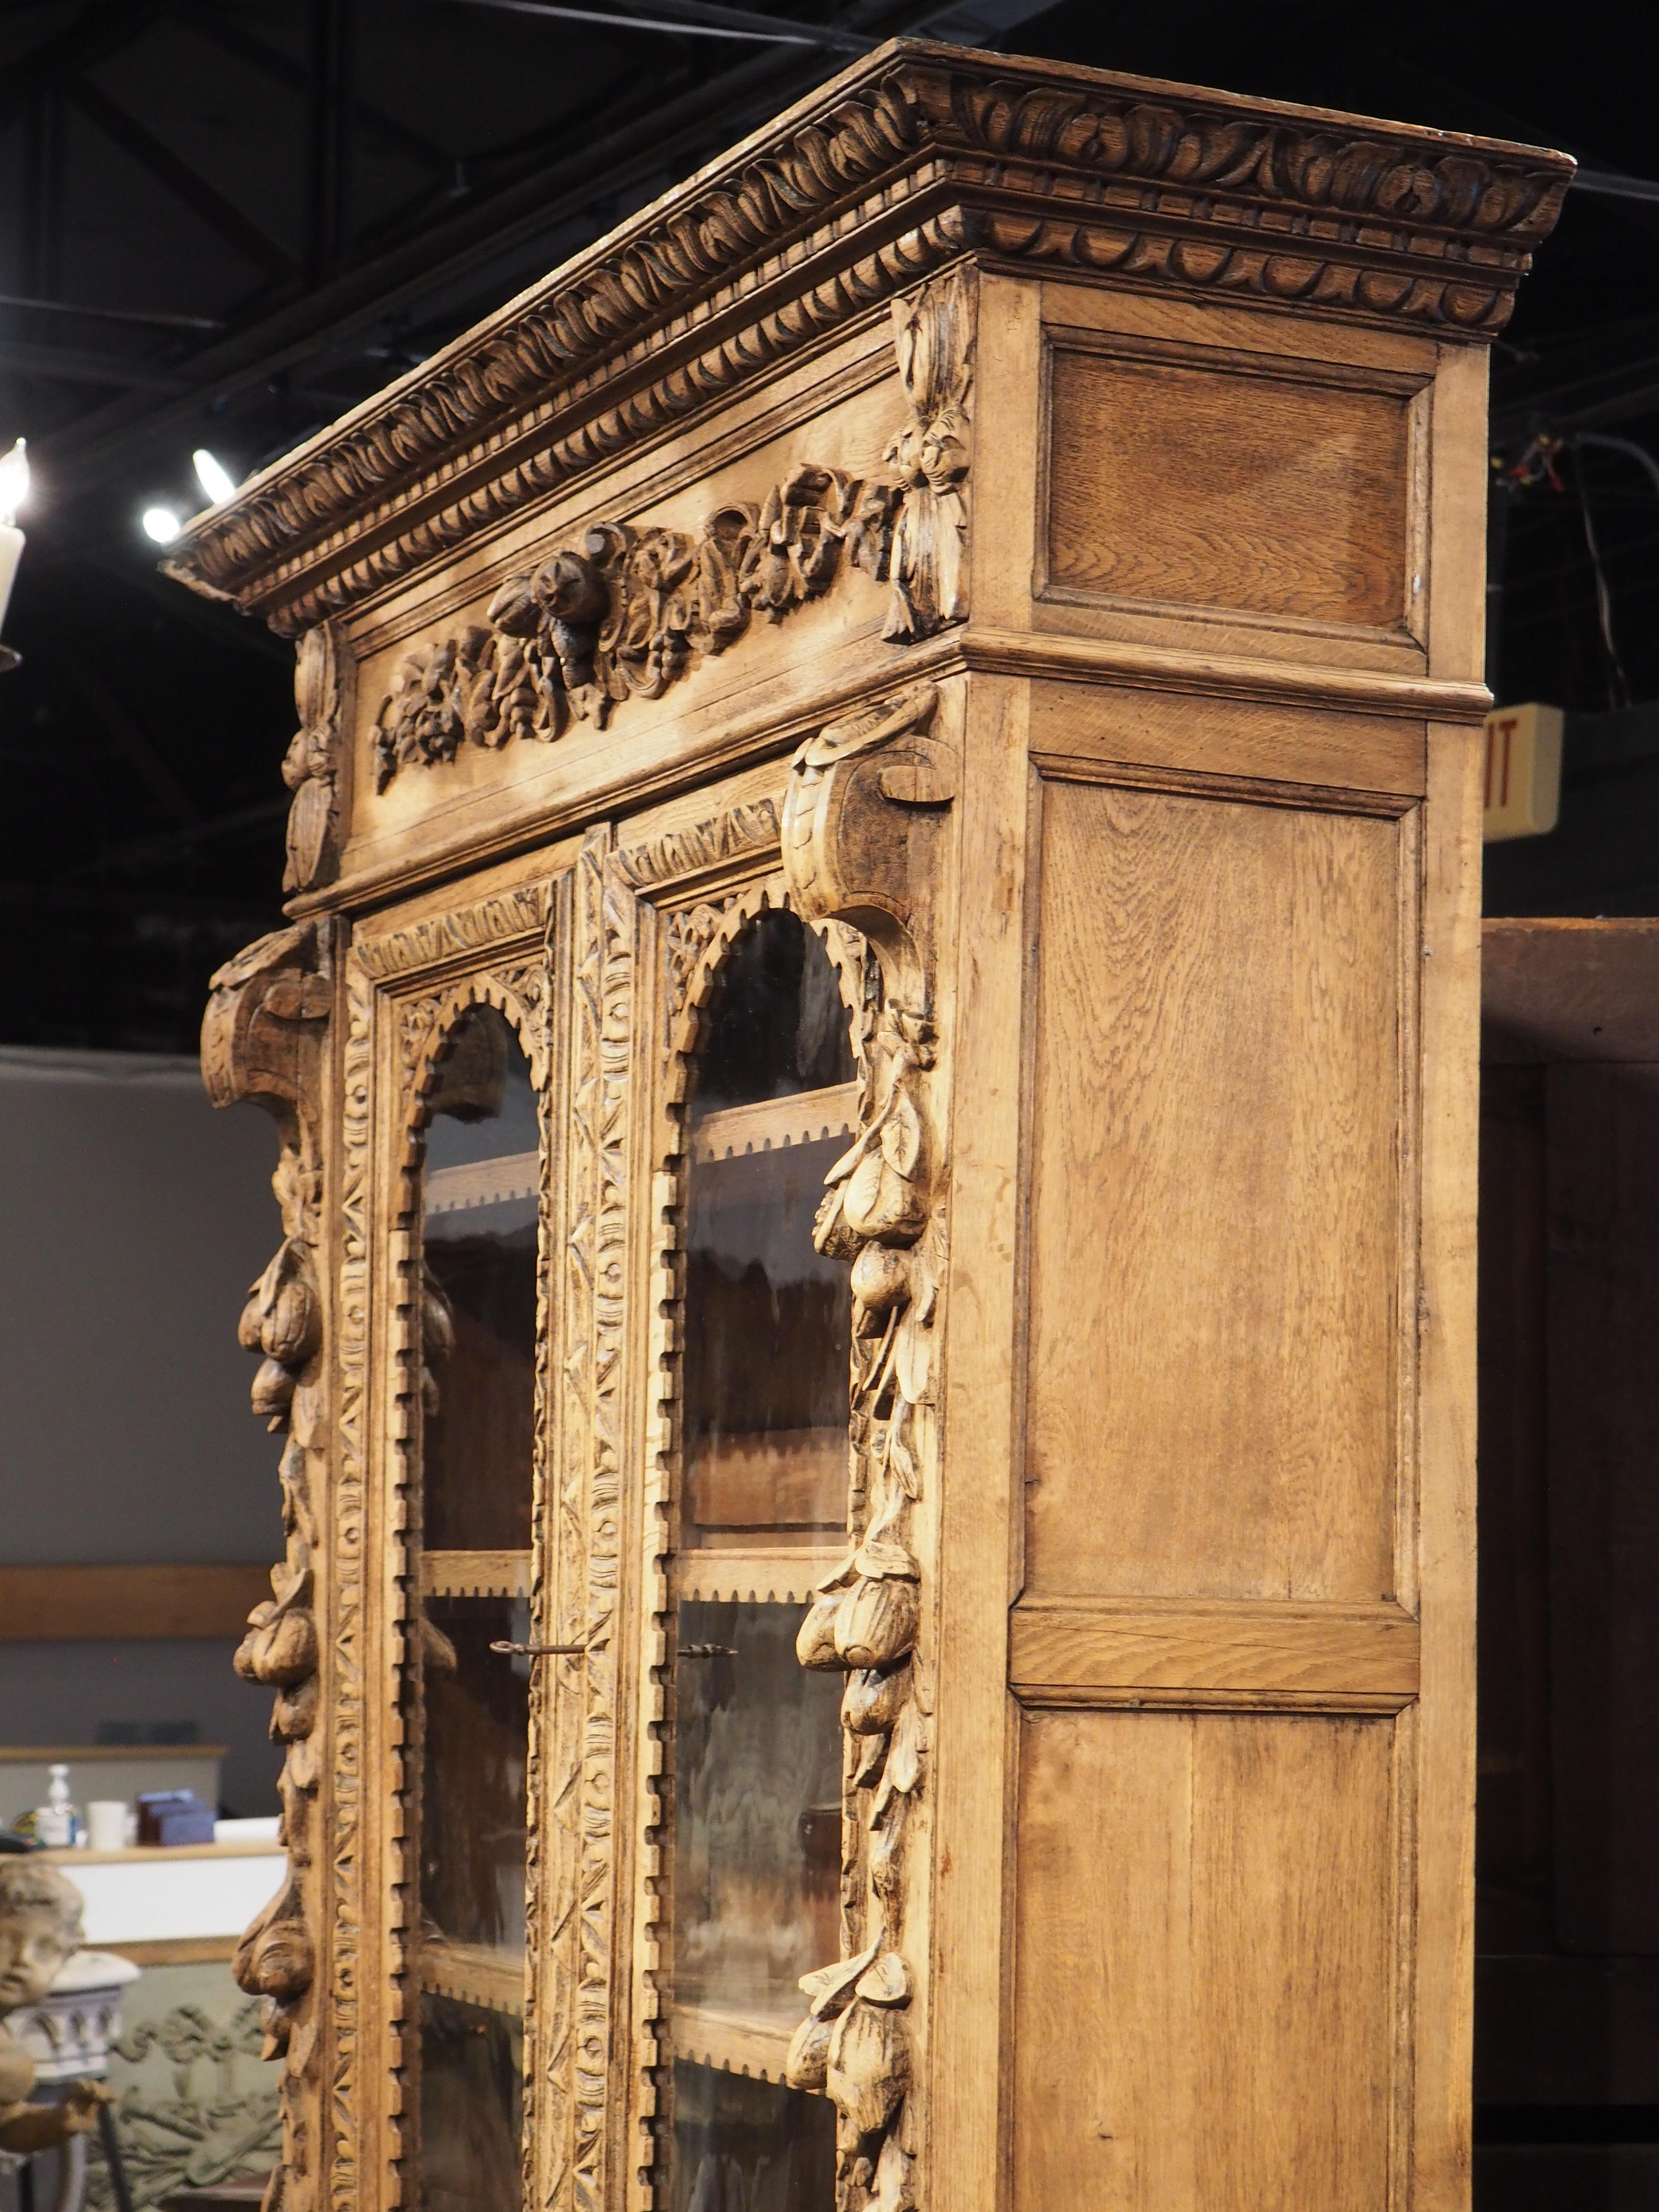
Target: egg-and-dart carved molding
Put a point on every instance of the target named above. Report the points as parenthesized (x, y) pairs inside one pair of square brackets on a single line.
[(941, 152), (631, 610)]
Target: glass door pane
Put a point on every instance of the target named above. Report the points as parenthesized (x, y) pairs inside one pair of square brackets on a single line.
[(756, 1761), (469, 1722)]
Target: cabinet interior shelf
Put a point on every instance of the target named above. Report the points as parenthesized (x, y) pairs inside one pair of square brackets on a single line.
[(475, 1574), (774, 1124), (474, 1973), (755, 1575), (733, 2041), (482, 1183)]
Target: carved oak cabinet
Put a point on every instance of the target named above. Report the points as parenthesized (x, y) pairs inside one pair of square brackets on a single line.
[(876, 1063)]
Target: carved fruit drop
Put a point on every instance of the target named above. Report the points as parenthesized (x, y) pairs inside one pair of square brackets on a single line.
[(877, 1623), (868, 2068)]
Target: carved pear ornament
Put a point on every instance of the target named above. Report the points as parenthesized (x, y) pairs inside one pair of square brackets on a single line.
[(862, 832), (630, 612)]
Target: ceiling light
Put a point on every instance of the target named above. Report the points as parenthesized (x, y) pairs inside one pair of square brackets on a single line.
[(161, 524), (14, 482), (214, 476)]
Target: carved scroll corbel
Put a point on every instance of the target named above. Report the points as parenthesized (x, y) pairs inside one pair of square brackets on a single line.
[(864, 821), (264, 1038)]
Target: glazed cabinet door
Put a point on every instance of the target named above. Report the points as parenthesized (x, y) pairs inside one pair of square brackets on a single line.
[(452, 1095), (740, 1783)]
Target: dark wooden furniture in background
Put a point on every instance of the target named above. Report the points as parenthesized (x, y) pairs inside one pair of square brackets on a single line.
[(1567, 1917)]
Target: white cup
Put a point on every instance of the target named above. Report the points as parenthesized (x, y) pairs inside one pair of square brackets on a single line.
[(107, 1824)]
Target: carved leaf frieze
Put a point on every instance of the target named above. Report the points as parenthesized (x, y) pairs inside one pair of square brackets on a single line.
[(348, 1874), (577, 1779), (702, 845), (521, 911)]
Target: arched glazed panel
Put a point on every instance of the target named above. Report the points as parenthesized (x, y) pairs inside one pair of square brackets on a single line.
[(474, 1197), (754, 1786)]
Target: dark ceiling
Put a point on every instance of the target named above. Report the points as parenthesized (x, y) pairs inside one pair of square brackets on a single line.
[(224, 222)]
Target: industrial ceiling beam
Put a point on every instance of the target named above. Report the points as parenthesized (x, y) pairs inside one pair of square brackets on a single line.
[(186, 184), (81, 365), (694, 16), (82, 456), (490, 230), (328, 193), (100, 30), (373, 124)]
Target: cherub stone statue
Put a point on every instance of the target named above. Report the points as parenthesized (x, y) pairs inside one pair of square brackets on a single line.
[(40, 1928)]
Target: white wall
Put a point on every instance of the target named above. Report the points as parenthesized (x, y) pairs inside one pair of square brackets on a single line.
[(132, 1219)]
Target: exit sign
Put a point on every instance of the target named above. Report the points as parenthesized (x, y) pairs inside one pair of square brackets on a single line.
[(1523, 773)]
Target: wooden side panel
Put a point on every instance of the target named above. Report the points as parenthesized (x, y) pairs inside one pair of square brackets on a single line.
[(1215, 1235), (1214, 1897), (1188, 484)]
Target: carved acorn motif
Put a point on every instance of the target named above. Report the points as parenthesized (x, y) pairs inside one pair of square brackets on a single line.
[(807, 2066), (289, 1319), (293, 1714), (881, 1277), (881, 1203), (277, 2026)]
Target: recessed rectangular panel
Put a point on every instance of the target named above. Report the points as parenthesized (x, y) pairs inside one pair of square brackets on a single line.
[(1216, 1243), (1211, 487), (1203, 2008)]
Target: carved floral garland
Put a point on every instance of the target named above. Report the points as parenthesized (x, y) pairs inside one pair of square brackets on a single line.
[(632, 611), (850, 788)]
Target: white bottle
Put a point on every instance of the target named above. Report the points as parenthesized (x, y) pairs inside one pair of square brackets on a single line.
[(58, 1823)]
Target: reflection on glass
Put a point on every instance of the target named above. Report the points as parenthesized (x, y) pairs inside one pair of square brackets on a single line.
[(471, 2106), (477, 1721), (743, 2146), (756, 1766), (757, 1824), (481, 1176), (768, 1319), (470, 1704)]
